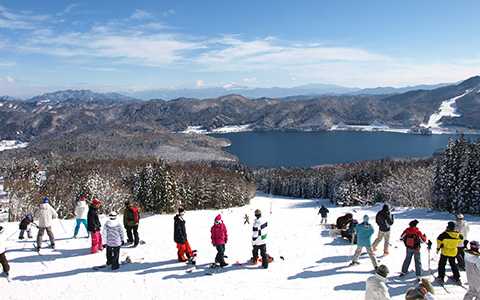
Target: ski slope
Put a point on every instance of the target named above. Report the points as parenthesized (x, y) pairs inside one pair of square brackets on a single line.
[(315, 265)]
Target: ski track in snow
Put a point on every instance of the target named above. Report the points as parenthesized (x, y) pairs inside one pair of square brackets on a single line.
[(11, 144), (314, 265), (447, 109)]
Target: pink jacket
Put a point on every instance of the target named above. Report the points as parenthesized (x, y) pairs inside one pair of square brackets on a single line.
[(219, 232)]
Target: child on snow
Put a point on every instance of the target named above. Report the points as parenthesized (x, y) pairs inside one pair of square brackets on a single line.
[(45, 215), (94, 226), (3, 258), (384, 220), (113, 233), (219, 239), (376, 287), (413, 238), (259, 239), (472, 266), (448, 242), (424, 291), (180, 237), (81, 215), (324, 213), (25, 225), (462, 227), (131, 219), (364, 232)]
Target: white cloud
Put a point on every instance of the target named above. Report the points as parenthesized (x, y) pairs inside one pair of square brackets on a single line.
[(20, 20), (168, 13), (200, 83), (10, 79), (140, 14)]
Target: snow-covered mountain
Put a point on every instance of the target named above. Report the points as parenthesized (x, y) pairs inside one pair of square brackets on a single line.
[(81, 96)]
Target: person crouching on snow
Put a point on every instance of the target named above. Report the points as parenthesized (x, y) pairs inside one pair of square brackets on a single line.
[(180, 237), (3, 258), (259, 239), (26, 225), (113, 233), (472, 266), (376, 286), (94, 226), (424, 291), (364, 232), (219, 239)]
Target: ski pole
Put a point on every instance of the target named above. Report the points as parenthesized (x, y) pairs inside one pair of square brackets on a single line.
[(10, 236), (63, 227)]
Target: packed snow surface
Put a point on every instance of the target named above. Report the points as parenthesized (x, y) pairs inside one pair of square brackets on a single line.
[(225, 129), (314, 265), (447, 109), (11, 144)]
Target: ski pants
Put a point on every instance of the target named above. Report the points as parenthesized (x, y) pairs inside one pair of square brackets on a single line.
[(461, 258), (370, 254), (263, 253), (113, 255), (385, 235), (96, 242), (77, 226), (415, 253), (324, 220), (22, 233), (220, 257), (132, 234), (41, 231), (473, 293), (4, 263), (182, 250), (443, 262)]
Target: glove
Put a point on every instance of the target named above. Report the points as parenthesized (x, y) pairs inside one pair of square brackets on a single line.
[(465, 243), (438, 250), (429, 245)]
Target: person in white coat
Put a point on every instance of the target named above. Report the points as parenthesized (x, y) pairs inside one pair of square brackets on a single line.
[(259, 239), (472, 266), (3, 258), (81, 213), (45, 214), (462, 226), (113, 233), (376, 286)]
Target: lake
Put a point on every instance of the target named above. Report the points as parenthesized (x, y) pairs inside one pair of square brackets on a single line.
[(305, 149)]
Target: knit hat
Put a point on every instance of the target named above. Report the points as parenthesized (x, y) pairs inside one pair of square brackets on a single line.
[(366, 218), (181, 210), (460, 217), (218, 218), (451, 225), (258, 212), (413, 223), (386, 207), (414, 294), (96, 202), (382, 270), (474, 246), (45, 200), (112, 215)]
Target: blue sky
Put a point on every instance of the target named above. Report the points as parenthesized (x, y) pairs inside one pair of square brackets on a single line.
[(135, 45)]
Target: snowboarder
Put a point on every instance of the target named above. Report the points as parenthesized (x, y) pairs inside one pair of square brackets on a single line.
[(131, 219), (376, 286), (180, 237), (45, 214), (472, 266), (384, 219), (324, 213), (113, 233), (364, 232), (3, 258), (448, 242), (25, 225), (462, 227), (94, 226), (246, 219), (81, 214), (424, 291), (412, 237), (259, 239), (219, 239)]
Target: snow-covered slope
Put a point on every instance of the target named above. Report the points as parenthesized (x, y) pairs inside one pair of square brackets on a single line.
[(447, 109), (315, 265), (11, 144)]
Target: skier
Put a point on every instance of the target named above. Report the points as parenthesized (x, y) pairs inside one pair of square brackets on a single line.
[(472, 266), (94, 226), (259, 238), (81, 214), (364, 232), (25, 225), (45, 214), (448, 242), (384, 220), (412, 237), (131, 219), (376, 286), (3, 258), (324, 213), (424, 291), (246, 220), (180, 237), (219, 239), (462, 227), (113, 233)]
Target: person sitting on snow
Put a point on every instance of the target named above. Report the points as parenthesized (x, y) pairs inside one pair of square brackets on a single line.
[(472, 266), (113, 233), (424, 291), (364, 232), (3, 258), (180, 237), (259, 239), (412, 237), (323, 211), (45, 214), (26, 225), (219, 237), (376, 287)]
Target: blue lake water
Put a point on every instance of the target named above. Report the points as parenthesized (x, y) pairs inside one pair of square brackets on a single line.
[(305, 149)]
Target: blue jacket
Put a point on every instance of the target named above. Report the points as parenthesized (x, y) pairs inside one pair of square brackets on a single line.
[(364, 232)]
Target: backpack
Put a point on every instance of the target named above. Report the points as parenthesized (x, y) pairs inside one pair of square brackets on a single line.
[(136, 216), (412, 241)]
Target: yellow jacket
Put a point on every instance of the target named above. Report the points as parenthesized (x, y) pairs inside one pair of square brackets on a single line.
[(448, 242)]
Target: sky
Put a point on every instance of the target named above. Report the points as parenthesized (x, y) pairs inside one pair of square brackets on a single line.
[(113, 45)]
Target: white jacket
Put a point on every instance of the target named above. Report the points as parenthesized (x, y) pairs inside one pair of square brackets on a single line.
[(81, 210), (463, 228), (113, 233), (472, 266), (45, 213), (260, 230), (376, 288)]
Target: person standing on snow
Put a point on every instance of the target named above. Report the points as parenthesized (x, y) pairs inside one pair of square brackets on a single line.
[(384, 219), (219, 239), (324, 214), (81, 214), (131, 219), (259, 239), (25, 225), (113, 233), (364, 232), (3, 258), (412, 237), (376, 287), (448, 242), (472, 266), (94, 226), (180, 237), (462, 227), (45, 214)]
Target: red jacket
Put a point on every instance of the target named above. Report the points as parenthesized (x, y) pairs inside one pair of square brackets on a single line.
[(416, 232), (219, 234)]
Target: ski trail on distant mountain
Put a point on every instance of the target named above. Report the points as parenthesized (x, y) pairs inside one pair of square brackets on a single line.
[(446, 109)]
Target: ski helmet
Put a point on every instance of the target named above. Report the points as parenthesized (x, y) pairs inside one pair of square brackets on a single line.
[(451, 225), (258, 213), (45, 200), (383, 271), (460, 217)]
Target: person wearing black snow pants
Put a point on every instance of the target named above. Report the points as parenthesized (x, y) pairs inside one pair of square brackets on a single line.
[(113, 256), (131, 219), (263, 254), (259, 239)]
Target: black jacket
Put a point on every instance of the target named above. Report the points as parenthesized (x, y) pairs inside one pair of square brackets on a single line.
[(93, 222), (323, 211), (179, 231), (24, 223), (384, 220)]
